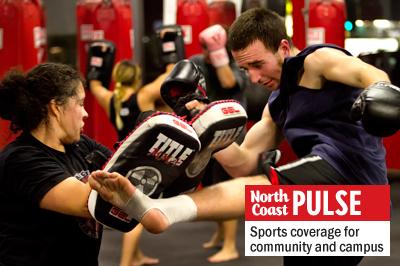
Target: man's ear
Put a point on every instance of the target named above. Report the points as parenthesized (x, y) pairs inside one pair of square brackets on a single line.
[(284, 46)]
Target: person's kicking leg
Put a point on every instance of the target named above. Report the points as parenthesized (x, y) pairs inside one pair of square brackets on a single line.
[(225, 200)]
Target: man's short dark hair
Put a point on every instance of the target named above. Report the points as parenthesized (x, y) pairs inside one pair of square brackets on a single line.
[(257, 24)]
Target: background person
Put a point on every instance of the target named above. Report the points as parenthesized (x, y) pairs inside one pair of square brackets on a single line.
[(223, 80), (124, 104)]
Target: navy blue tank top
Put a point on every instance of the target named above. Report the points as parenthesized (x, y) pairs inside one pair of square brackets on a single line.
[(317, 122)]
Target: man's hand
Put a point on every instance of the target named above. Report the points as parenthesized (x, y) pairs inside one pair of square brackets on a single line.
[(195, 106), (214, 39)]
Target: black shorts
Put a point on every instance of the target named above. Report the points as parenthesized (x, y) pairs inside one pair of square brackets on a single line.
[(321, 261), (214, 174), (313, 170), (309, 170)]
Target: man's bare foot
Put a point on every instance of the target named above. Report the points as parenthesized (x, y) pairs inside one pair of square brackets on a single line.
[(145, 261), (224, 255), (140, 259), (118, 190), (112, 187), (215, 241)]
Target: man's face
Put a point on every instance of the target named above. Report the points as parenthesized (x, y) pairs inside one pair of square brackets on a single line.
[(72, 115), (261, 64)]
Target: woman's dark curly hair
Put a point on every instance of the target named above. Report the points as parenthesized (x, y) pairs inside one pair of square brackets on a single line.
[(24, 98)]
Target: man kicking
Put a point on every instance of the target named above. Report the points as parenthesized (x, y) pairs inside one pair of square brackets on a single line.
[(331, 107)]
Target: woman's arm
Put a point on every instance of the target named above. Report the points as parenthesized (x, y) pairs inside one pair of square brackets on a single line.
[(68, 197), (150, 93), (102, 95)]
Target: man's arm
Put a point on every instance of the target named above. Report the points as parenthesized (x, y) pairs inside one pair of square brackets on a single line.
[(377, 106), (242, 160), (334, 65), (226, 77)]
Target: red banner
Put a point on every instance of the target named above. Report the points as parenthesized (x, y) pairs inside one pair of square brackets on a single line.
[(318, 203)]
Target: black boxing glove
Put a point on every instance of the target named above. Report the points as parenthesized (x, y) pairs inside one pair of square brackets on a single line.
[(170, 44), (101, 56), (184, 84), (378, 108), (266, 160)]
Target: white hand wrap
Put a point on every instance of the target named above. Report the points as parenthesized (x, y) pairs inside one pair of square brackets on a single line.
[(176, 209), (219, 57)]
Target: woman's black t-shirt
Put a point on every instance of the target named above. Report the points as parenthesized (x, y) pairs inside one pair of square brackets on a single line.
[(30, 235)]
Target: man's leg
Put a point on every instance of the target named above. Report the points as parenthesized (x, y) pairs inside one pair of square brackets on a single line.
[(225, 200)]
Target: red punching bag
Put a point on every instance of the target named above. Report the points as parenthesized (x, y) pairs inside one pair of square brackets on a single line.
[(84, 22), (192, 16), (126, 31), (43, 32), (21, 34), (31, 31), (299, 30), (326, 22), (222, 12), (112, 21), (21, 42), (9, 51)]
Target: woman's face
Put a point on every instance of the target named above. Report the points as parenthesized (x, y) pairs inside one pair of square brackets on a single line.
[(72, 115)]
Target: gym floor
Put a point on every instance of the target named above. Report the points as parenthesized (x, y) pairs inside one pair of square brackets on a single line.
[(181, 245)]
